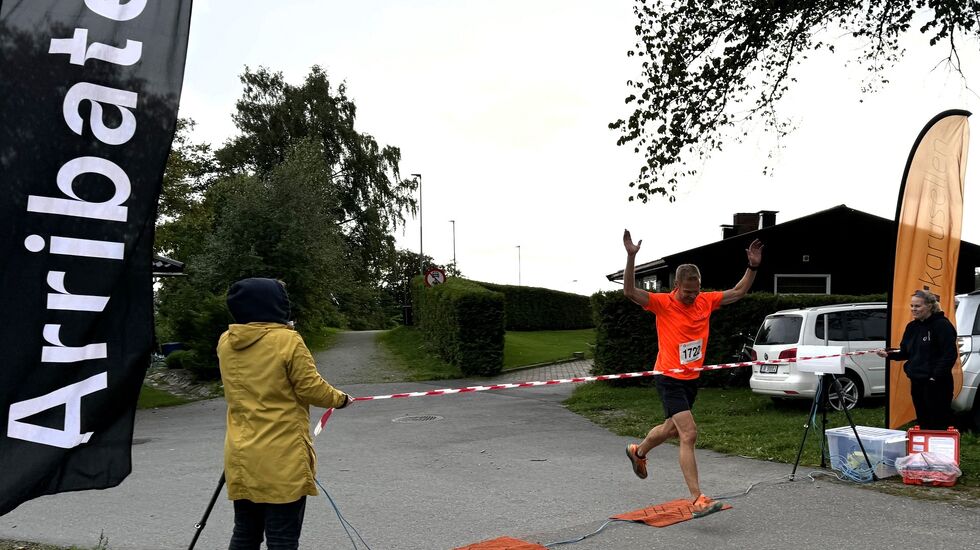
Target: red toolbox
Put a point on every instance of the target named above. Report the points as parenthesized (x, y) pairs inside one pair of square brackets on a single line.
[(944, 443)]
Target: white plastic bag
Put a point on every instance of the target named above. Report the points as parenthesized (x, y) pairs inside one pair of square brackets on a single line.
[(928, 468)]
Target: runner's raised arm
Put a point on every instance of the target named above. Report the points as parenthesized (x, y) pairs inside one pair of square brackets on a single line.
[(641, 297), (741, 288)]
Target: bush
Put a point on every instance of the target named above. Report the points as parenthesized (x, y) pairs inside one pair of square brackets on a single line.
[(535, 308), (190, 360), (180, 359), (363, 310), (463, 323), (198, 321), (626, 335)]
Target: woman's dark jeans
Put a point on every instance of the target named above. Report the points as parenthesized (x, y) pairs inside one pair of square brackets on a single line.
[(932, 399), (281, 524)]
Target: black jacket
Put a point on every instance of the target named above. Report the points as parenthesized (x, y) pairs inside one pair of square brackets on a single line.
[(928, 348)]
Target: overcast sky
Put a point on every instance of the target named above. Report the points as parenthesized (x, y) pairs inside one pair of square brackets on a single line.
[(503, 107)]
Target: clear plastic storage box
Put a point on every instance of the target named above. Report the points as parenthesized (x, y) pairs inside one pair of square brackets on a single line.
[(883, 447)]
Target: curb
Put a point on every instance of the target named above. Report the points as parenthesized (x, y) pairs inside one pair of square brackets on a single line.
[(539, 365)]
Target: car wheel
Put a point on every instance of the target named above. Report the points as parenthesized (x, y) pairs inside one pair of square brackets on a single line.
[(848, 396)]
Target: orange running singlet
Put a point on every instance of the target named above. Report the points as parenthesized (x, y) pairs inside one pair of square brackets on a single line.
[(682, 332)]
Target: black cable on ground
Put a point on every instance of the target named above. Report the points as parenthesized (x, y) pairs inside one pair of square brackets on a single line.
[(583, 537), (731, 496), (343, 522)]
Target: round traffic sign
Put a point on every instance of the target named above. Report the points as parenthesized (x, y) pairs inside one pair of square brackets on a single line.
[(434, 276)]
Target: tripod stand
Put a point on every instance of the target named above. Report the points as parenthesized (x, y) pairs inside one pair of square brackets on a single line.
[(204, 520), (821, 400)]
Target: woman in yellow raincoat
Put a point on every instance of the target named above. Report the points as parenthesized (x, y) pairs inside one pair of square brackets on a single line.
[(270, 380)]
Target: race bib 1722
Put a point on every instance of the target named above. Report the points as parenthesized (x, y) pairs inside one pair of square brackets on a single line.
[(690, 351)]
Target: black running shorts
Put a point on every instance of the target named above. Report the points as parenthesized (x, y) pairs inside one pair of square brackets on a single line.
[(676, 395)]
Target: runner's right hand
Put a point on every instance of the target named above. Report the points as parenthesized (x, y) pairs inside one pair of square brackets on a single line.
[(631, 248)]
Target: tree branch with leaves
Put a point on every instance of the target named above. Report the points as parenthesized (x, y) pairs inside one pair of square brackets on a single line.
[(710, 67)]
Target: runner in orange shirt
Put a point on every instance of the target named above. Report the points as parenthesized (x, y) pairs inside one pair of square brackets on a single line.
[(682, 335)]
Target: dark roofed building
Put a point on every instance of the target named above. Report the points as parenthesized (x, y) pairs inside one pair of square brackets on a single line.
[(836, 251), (166, 267)]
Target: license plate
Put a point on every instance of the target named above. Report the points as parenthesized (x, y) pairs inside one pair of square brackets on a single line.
[(768, 369)]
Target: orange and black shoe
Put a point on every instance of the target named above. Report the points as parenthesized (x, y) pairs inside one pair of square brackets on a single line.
[(639, 463), (704, 506)]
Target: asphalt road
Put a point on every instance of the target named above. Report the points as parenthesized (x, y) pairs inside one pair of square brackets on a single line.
[(489, 464)]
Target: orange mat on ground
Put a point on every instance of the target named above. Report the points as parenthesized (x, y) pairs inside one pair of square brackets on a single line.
[(662, 515), (503, 543)]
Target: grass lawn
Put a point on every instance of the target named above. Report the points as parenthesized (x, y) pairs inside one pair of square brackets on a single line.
[(151, 398), (322, 339), (102, 544), (408, 351), (520, 349), (528, 348), (739, 422)]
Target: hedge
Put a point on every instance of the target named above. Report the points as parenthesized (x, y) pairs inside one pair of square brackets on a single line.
[(626, 335), (463, 323), (535, 308)]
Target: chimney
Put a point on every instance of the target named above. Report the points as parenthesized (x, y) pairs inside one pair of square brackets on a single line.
[(745, 222), (768, 218)]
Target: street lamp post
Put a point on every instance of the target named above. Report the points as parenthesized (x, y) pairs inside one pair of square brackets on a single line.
[(518, 265), (418, 178), (454, 242)]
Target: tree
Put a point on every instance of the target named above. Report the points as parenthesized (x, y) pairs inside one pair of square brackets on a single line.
[(279, 225), (187, 173), (396, 278), (710, 66), (181, 214), (273, 116), (299, 196)]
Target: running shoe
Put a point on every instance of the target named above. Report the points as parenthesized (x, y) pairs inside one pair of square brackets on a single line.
[(704, 506), (639, 464)]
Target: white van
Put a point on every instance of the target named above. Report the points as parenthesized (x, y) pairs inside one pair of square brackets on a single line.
[(854, 327), (968, 338)]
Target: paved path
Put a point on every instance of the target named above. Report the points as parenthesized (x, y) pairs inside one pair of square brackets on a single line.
[(477, 466), (356, 358)]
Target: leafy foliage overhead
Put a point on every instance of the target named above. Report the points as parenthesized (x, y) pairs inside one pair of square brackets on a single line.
[(709, 66), (186, 176), (273, 116), (183, 215), (299, 195)]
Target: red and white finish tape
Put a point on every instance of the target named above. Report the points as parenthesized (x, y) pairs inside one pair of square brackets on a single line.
[(514, 385)]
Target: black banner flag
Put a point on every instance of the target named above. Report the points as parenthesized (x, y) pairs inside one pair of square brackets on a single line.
[(88, 104)]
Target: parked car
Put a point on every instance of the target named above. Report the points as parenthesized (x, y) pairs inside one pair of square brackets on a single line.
[(968, 338), (854, 327)]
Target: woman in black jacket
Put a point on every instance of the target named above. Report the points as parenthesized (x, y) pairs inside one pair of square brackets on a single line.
[(929, 351)]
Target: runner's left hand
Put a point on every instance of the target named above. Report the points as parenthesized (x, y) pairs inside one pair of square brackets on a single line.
[(754, 252)]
